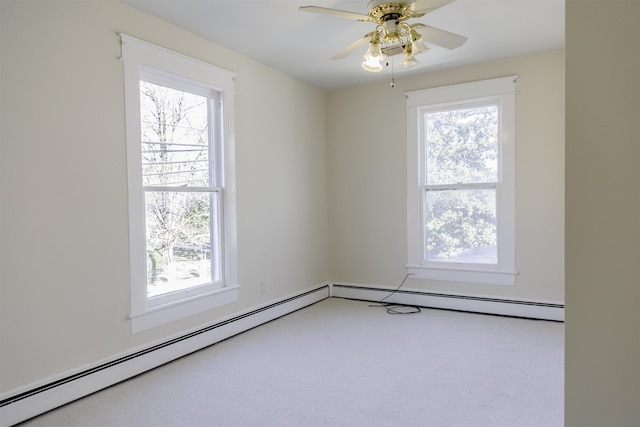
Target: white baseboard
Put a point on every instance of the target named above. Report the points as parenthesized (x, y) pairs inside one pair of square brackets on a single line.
[(534, 309), (19, 405)]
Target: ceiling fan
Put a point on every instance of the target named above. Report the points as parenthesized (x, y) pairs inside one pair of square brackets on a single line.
[(393, 35)]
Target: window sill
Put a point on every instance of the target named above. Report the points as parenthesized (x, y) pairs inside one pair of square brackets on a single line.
[(464, 275), (176, 310)]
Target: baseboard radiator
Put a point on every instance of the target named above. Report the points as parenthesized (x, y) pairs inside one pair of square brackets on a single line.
[(533, 309), (25, 404)]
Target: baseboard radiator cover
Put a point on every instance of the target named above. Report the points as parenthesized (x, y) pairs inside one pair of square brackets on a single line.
[(533, 309), (33, 401)]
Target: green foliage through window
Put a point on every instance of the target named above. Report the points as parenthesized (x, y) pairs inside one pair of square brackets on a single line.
[(461, 157)]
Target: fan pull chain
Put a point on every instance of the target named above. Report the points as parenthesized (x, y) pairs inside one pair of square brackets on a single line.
[(393, 75)]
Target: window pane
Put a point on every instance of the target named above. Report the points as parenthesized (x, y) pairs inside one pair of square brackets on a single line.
[(175, 137), (460, 225), (180, 253), (462, 145)]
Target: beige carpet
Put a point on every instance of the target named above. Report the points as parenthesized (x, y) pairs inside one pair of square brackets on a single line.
[(344, 363)]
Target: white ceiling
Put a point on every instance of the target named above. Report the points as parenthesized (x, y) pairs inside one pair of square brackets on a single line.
[(276, 33)]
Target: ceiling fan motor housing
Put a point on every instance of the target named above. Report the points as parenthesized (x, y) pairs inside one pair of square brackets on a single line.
[(382, 11)]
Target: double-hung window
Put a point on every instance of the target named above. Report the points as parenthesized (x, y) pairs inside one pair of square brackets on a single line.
[(461, 182), (179, 118)]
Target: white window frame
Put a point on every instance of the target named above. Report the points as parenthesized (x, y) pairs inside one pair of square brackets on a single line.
[(142, 59), (500, 91)]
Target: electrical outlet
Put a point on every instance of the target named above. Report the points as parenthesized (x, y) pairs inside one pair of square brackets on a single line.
[(263, 288)]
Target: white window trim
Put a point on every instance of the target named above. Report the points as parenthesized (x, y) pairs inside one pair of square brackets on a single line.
[(139, 56), (504, 90)]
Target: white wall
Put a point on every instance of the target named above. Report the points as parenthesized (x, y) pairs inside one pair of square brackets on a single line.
[(602, 381), (367, 178), (64, 244)]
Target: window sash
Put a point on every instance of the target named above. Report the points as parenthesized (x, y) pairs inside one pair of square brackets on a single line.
[(215, 135), (454, 227), (178, 289), (176, 278), (430, 169), (458, 261)]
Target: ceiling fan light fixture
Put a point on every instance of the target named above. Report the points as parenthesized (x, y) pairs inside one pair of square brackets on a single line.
[(372, 60), (409, 60), (417, 45), (372, 63)]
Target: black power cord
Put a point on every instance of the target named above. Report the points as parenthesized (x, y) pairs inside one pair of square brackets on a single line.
[(398, 308)]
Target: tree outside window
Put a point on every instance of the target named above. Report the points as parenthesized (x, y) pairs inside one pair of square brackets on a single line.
[(177, 180), (461, 157)]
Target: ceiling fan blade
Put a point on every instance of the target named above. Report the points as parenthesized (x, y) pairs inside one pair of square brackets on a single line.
[(335, 12), (439, 37), (426, 6), (353, 47)]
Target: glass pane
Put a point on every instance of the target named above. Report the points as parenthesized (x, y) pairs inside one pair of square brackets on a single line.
[(460, 226), (180, 253), (462, 146), (175, 137)]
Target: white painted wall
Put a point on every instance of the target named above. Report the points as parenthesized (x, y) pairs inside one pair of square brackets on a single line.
[(64, 245), (602, 348), (366, 128)]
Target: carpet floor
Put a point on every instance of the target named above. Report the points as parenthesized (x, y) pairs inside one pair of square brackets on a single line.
[(344, 363)]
